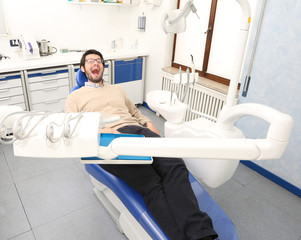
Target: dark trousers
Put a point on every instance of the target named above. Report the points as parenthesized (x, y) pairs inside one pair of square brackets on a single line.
[(167, 192)]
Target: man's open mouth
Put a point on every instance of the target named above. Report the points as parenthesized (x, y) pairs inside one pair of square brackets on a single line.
[(95, 71)]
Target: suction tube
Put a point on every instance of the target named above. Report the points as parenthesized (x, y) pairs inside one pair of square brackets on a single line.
[(248, 77), (240, 52)]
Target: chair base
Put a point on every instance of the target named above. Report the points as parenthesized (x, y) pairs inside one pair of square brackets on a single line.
[(123, 219)]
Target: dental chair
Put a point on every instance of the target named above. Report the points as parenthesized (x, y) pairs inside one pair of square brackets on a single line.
[(127, 207)]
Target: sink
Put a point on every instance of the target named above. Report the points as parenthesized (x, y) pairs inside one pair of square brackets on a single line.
[(172, 110)]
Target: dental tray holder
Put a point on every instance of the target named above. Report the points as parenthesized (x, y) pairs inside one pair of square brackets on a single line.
[(104, 140)]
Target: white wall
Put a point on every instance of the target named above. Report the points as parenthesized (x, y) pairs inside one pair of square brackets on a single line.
[(91, 26), (3, 29), (275, 81)]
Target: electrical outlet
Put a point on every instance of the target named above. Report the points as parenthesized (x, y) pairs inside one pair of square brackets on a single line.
[(14, 42)]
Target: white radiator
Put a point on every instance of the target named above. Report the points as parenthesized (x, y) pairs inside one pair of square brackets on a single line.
[(202, 101)]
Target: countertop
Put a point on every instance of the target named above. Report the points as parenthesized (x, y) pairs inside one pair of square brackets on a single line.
[(17, 63)]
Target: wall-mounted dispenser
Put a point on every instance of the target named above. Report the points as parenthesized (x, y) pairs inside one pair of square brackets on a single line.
[(141, 22)]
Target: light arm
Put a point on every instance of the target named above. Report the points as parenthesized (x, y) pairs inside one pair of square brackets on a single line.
[(272, 147), (175, 20), (189, 6), (202, 148)]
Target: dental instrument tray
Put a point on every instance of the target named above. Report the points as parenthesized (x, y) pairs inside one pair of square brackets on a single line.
[(104, 140)]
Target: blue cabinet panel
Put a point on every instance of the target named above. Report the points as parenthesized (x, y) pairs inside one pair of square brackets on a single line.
[(47, 73), (18, 76), (126, 71)]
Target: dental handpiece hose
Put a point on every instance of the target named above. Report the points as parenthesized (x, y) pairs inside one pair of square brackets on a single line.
[(188, 79), (193, 69), (187, 85), (180, 83)]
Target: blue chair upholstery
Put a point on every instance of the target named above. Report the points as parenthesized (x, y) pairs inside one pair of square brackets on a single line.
[(135, 203), (80, 80)]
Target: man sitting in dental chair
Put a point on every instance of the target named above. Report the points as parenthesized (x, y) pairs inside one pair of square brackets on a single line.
[(164, 184)]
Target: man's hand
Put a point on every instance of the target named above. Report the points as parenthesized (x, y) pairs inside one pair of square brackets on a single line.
[(152, 127), (107, 130)]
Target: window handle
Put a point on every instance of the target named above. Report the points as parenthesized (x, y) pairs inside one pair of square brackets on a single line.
[(208, 30)]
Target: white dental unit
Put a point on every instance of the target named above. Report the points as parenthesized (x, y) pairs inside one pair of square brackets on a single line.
[(211, 150)]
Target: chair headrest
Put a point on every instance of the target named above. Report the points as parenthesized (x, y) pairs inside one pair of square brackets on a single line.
[(81, 78)]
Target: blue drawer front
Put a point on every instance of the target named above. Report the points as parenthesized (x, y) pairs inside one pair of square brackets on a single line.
[(126, 71), (45, 74), (10, 77)]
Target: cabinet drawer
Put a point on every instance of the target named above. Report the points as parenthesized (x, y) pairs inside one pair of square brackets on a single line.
[(49, 94), (12, 100), (8, 92), (134, 90), (48, 84), (54, 105), (47, 75), (10, 83), (106, 79), (128, 70), (22, 105), (10, 76)]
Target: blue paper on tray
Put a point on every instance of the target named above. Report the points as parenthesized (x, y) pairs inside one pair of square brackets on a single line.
[(104, 140)]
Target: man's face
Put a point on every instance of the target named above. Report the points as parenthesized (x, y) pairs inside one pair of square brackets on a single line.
[(93, 68)]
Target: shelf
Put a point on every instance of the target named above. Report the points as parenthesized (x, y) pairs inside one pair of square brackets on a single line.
[(135, 3)]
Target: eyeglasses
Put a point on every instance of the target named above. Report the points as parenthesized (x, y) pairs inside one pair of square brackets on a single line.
[(92, 61)]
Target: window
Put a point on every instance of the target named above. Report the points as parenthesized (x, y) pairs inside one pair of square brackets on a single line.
[(212, 39)]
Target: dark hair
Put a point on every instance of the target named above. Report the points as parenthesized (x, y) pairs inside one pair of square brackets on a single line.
[(91, 51)]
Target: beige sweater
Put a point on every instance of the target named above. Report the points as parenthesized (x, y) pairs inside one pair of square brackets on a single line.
[(110, 100)]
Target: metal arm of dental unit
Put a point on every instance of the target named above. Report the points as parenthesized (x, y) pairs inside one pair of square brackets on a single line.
[(59, 135), (272, 147)]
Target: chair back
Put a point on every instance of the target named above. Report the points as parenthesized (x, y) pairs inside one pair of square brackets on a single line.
[(80, 80)]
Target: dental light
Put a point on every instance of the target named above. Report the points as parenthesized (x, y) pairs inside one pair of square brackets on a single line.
[(175, 20)]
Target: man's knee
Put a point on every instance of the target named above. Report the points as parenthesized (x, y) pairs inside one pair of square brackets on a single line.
[(170, 167)]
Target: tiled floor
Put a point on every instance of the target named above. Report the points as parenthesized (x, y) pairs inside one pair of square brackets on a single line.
[(43, 199)]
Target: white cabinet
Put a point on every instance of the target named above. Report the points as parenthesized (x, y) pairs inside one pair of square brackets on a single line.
[(106, 2), (107, 74), (129, 73), (73, 71), (12, 90), (47, 88)]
